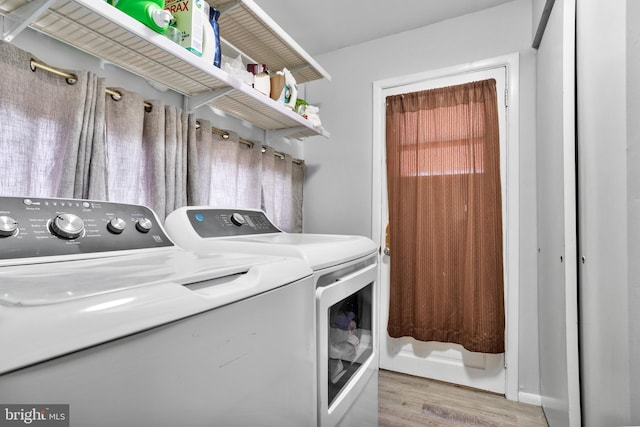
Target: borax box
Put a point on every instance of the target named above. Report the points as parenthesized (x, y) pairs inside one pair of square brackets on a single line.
[(189, 20)]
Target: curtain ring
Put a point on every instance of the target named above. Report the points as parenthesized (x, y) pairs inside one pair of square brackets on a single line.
[(116, 96)]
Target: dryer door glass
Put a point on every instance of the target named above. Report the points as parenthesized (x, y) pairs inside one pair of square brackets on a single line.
[(350, 338)]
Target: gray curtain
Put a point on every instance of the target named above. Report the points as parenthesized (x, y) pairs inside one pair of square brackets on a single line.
[(148, 152), (230, 173), (91, 169), (297, 181), (123, 138), (62, 140), (282, 180), (48, 129), (234, 174), (179, 147)]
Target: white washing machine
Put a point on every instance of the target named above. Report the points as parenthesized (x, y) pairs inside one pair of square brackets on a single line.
[(105, 322), (345, 274)]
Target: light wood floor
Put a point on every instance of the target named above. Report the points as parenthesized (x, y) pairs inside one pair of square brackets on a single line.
[(406, 401)]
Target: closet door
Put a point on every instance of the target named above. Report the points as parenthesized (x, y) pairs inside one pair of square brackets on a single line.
[(608, 64), (557, 252)]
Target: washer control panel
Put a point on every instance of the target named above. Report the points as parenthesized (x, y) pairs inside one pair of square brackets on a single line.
[(214, 222), (35, 227)]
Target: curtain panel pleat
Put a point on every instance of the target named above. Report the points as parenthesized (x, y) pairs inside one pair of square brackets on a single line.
[(282, 190), (62, 140), (147, 152), (445, 216), (230, 172), (123, 141), (91, 169), (297, 196)]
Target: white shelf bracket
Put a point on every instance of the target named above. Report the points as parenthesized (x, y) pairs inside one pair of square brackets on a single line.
[(282, 133), (193, 102), (22, 17)]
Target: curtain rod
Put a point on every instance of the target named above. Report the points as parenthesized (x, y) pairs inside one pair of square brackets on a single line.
[(225, 135), (72, 79)]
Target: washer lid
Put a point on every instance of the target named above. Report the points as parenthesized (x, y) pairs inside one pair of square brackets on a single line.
[(59, 282), (48, 310)]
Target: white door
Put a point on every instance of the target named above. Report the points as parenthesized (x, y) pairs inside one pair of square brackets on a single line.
[(445, 361), (557, 254)]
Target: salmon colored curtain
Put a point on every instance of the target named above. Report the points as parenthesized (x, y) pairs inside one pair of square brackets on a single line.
[(445, 216)]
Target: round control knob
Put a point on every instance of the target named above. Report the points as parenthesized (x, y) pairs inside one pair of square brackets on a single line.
[(8, 226), (67, 226), (116, 225), (238, 219), (143, 225)]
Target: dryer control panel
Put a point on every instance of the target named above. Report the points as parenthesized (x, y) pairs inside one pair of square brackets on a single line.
[(215, 222), (37, 227)]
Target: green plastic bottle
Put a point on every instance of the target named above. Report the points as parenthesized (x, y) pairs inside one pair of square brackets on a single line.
[(150, 12)]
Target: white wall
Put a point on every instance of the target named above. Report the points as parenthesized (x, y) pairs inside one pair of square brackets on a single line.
[(338, 184)]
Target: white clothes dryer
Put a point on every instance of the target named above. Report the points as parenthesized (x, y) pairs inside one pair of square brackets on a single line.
[(102, 314), (345, 275)]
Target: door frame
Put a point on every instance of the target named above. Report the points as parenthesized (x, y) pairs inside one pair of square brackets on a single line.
[(511, 193)]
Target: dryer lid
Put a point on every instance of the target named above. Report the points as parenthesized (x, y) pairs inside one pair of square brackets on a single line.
[(208, 228), (318, 250)]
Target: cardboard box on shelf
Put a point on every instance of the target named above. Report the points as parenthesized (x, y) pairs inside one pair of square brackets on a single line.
[(189, 18)]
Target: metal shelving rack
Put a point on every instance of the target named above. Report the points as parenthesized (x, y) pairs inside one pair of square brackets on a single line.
[(99, 29)]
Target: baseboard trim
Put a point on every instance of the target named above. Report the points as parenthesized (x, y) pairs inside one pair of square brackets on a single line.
[(530, 398)]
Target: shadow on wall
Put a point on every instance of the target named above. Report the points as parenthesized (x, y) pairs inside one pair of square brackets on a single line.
[(310, 170)]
